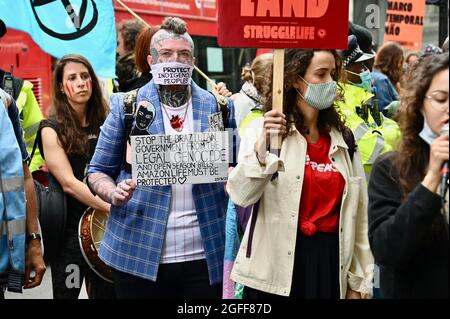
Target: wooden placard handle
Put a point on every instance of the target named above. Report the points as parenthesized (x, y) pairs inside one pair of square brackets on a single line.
[(277, 95)]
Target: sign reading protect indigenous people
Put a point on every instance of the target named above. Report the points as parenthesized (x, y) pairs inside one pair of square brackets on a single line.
[(159, 160), (172, 73), (404, 23), (283, 23)]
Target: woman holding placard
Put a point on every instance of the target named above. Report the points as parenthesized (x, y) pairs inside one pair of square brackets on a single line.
[(307, 237)]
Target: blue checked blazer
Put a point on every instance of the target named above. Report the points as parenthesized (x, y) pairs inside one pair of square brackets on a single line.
[(135, 231)]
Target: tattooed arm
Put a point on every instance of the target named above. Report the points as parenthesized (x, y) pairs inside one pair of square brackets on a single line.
[(106, 162), (106, 189)]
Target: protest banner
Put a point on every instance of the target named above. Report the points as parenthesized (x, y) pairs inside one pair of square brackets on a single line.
[(404, 23), (283, 23), (63, 27), (215, 122), (197, 158)]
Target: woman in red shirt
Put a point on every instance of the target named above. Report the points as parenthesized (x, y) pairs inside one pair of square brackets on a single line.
[(308, 238)]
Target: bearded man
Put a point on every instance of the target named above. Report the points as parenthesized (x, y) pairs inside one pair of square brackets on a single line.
[(162, 241)]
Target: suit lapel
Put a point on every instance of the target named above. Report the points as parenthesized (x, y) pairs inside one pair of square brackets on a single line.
[(201, 109)]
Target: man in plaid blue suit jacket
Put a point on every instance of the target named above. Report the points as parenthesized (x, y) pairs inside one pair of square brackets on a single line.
[(134, 242)]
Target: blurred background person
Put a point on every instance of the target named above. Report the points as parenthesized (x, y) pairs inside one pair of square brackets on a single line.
[(127, 34), (408, 218), (365, 42), (411, 58), (249, 106), (141, 51), (431, 49), (254, 76), (387, 73), (30, 113)]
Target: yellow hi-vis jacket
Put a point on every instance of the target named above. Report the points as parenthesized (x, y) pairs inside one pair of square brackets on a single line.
[(30, 117), (372, 139)]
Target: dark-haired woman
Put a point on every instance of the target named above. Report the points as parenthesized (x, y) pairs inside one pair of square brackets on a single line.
[(69, 137), (408, 224), (387, 73), (308, 239), (141, 52)]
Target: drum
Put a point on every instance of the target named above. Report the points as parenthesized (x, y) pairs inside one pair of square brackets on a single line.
[(91, 230)]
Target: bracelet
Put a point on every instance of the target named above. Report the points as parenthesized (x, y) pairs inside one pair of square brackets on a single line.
[(33, 236)]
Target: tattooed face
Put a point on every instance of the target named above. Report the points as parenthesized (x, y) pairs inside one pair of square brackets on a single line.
[(170, 47), (76, 83)]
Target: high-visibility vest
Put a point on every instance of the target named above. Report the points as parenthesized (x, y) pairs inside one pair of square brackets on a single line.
[(30, 117), (253, 115), (372, 139), (12, 199)]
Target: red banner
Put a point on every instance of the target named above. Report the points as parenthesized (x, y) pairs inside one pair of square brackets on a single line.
[(283, 23)]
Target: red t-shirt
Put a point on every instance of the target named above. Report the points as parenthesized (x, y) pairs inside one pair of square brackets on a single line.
[(323, 186)]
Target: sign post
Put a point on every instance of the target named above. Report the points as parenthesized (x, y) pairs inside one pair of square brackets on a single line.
[(277, 94)]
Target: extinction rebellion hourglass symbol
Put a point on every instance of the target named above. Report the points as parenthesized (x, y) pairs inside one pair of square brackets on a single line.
[(67, 8)]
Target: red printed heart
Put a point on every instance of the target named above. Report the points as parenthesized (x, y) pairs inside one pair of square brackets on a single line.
[(176, 122)]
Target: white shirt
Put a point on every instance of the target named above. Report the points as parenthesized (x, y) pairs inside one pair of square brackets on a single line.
[(183, 240)]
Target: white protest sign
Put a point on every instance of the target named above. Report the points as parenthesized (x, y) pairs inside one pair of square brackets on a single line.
[(197, 158), (172, 73), (215, 122)]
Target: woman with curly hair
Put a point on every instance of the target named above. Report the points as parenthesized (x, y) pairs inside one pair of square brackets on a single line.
[(69, 138), (387, 73), (307, 237), (408, 223)]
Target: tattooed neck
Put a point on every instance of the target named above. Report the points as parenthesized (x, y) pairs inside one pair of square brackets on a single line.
[(174, 98)]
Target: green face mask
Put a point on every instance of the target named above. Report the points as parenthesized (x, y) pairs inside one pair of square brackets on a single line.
[(366, 79)]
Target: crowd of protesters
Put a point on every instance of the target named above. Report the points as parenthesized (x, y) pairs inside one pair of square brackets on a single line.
[(355, 191)]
